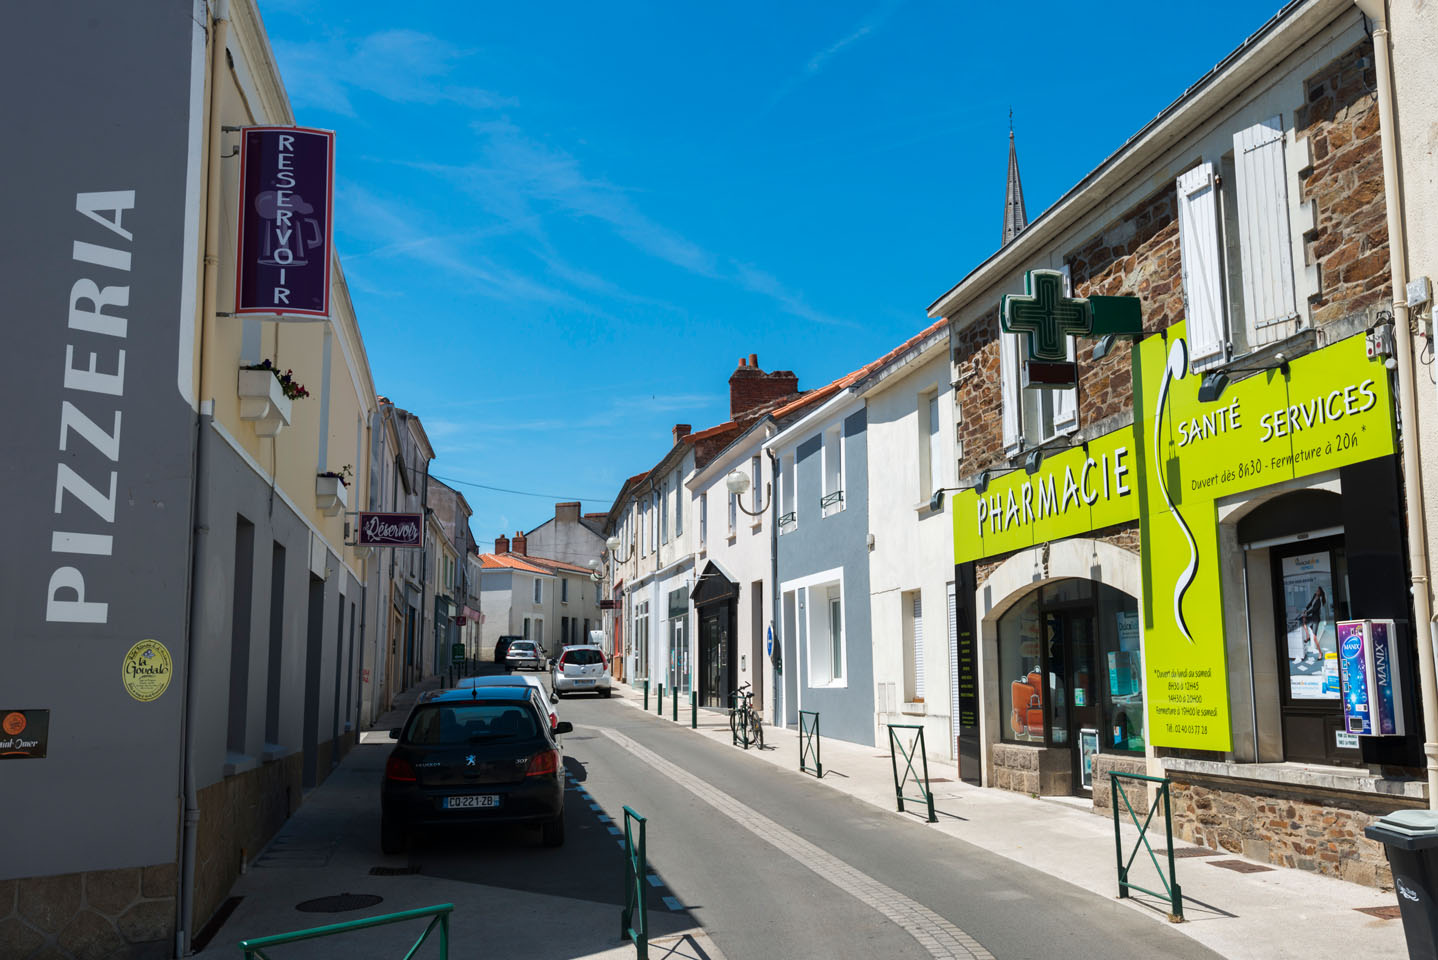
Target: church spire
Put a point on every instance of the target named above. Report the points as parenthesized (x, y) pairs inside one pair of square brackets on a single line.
[(1015, 216)]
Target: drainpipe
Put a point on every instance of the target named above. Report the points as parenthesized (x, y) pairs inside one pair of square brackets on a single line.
[(199, 531), (774, 587), (1407, 393)]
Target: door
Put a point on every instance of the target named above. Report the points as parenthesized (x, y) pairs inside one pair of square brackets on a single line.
[(1073, 692), (713, 659), (1310, 595)]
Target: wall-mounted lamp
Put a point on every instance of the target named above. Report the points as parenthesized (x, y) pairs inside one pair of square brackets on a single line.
[(598, 570), (1033, 461), (612, 544), (1104, 345), (936, 502), (1213, 384), (738, 484)]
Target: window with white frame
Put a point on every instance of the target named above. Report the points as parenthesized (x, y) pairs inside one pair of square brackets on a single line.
[(703, 519), (678, 506), (788, 517), (654, 522), (1236, 246), (733, 513), (664, 512), (538, 590), (563, 589), (912, 614), (931, 454), (825, 620), (833, 499), (1033, 415)]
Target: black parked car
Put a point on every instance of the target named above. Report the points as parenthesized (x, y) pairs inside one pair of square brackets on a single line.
[(502, 647), (479, 755)]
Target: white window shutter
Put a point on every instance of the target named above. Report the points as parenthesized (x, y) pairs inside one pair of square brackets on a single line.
[(1066, 415), (1263, 225), (953, 668), (1198, 242), (918, 647), (1011, 390)]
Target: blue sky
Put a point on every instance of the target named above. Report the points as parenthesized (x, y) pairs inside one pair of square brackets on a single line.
[(562, 224)]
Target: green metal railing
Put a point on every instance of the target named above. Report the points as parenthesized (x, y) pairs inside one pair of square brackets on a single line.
[(809, 743), (254, 948), (914, 749), (1172, 892), (636, 869)]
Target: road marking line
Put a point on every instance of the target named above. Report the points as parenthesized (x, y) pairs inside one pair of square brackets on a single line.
[(673, 903), (942, 939)]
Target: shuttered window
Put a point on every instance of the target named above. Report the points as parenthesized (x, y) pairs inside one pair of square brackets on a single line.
[(953, 667), (918, 647), (1012, 391), (1263, 226), (1198, 238), (1066, 414)]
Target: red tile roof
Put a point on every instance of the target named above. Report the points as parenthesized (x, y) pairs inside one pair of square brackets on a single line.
[(829, 390), (513, 561)]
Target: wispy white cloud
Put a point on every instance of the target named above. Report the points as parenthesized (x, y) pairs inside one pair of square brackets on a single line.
[(816, 64), (405, 66)]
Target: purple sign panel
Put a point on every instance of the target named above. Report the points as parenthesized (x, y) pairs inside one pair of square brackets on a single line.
[(390, 530), (286, 215)]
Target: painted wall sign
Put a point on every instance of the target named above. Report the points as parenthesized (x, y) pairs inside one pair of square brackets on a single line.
[(286, 219), (1072, 492), (390, 530), (146, 670), (1330, 409), (24, 734)]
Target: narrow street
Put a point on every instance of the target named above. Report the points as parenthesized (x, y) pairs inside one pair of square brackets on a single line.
[(767, 863)]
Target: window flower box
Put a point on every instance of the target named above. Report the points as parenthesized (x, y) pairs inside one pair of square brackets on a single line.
[(263, 402), (331, 495)]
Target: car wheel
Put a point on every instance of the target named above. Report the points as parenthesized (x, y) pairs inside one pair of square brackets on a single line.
[(559, 694), (605, 693), (554, 832), (391, 836)]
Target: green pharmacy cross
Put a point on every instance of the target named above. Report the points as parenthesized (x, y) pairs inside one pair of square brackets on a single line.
[(1047, 318)]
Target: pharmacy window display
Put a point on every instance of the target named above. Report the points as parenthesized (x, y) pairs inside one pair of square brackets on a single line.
[(1071, 671)]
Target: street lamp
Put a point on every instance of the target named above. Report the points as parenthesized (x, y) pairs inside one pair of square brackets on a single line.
[(612, 544), (597, 568), (738, 484)]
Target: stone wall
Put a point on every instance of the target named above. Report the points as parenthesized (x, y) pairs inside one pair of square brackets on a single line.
[(1349, 242), (1317, 831), (1136, 791), (124, 914), (1032, 769)]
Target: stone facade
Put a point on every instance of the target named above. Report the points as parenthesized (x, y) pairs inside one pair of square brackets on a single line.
[(1321, 832), (1035, 770), (124, 914), (1136, 791), (1349, 242)]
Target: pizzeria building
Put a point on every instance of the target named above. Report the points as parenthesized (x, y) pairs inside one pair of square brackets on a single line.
[(1166, 528)]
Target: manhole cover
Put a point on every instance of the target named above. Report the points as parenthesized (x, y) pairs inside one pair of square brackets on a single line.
[(1240, 866), (392, 871), (339, 903), (1188, 852), (1382, 913)]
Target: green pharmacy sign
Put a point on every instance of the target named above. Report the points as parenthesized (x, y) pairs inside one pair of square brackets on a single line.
[(1047, 318)]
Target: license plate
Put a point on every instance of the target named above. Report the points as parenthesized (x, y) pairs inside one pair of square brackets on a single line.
[(583, 683), (459, 803)]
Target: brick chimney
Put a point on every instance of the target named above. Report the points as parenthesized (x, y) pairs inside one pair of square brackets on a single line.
[(567, 512), (519, 546), (682, 430), (750, 387), (501, 544)]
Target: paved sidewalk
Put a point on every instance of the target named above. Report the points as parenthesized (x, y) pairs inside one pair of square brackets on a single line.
[(1269, 915), (330, 846)]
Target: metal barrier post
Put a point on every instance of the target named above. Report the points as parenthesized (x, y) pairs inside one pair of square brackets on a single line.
[(896, 747), (254, 948), (646, 693), (1173, 893), (674, 710), (659, 702), (693, 711), (636, 868), (809, 743)]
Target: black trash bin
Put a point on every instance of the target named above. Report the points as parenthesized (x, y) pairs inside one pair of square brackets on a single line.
[(1411, 840)]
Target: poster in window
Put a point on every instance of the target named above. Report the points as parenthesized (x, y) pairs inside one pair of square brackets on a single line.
[(1088, 748), (1308, 622)]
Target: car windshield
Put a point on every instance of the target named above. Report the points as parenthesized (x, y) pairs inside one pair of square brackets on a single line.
[(445, 724), (582, 658)]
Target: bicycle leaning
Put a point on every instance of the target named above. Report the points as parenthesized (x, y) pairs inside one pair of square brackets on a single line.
[(744, 721)]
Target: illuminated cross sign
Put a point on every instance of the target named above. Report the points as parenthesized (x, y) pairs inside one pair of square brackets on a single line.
[(1047, 318)]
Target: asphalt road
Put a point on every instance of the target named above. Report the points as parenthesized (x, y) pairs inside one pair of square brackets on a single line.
[(757, 900)]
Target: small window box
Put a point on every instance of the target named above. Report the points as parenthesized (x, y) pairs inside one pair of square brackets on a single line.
[(263, 402), (331, 495)]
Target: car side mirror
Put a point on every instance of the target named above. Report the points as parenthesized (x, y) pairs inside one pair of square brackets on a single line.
[(563, 726), (394, 734)]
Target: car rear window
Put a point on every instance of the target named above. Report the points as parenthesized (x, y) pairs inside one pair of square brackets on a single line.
[(445, 724), (583, 658), (521, 646)]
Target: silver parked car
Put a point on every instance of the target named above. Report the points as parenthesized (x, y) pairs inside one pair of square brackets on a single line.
[(524, 653), (580, 670)]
